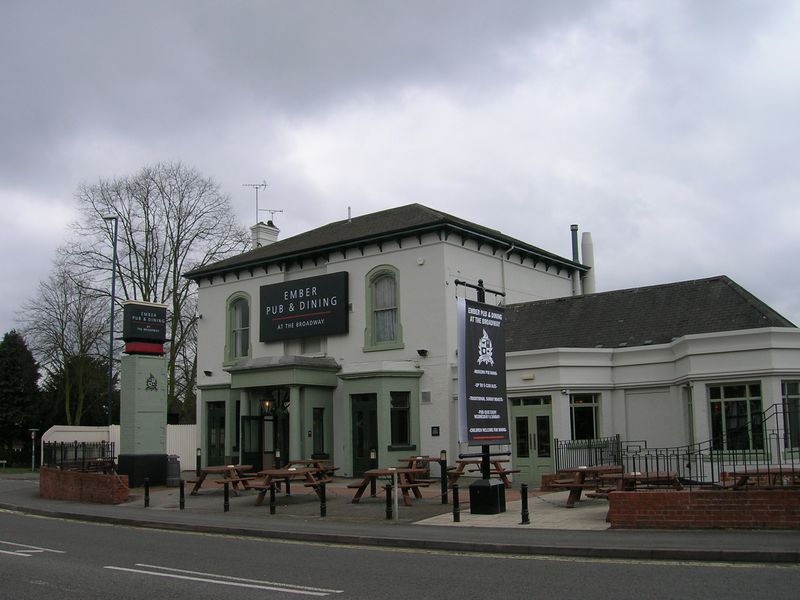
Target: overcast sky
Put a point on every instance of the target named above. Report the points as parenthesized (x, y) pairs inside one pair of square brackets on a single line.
[(669, 129)]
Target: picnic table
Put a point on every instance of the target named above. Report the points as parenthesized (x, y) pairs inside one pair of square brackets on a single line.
[(405, 481), (312, 476), (419, 462), (323, 465), (630, 480), (577, 479), (497, 468), (786, 476), (232, 474)]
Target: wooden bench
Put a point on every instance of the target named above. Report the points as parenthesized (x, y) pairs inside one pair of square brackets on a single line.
[(570, 486), (225, 480), (316, 483), (412, 486)]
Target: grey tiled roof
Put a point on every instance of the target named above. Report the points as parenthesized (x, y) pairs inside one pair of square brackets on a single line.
[(638, 316), (371, 228)]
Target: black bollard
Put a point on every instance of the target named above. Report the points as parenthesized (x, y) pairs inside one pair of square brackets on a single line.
[(323, 504), (526, 520), (443, 469), (199, 462), (288, 489), (272, 498), (226, 496), (456, 508), (388, 489), (146, 492), (182, 503), (373, 491)]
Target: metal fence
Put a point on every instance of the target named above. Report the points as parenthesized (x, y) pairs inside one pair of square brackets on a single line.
[(588, 453), (76, 455), (770, 456)]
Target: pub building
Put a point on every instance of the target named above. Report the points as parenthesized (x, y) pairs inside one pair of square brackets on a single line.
[(342, 343)]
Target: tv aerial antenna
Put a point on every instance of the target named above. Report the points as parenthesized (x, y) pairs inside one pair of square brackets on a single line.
[(256, 187)]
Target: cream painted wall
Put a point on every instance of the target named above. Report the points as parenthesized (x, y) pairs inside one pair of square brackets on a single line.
[(427, 271), (643, 387)]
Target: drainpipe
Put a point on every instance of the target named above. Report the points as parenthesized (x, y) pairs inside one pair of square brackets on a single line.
[(574, 229), (576, 274)]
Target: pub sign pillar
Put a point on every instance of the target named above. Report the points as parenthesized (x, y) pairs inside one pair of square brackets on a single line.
[(143, 395), (483, 410)]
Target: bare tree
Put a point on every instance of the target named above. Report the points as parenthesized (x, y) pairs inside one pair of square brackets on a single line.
[(171, 219), (64, 325)]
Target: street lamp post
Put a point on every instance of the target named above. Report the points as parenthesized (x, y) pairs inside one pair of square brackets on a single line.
[(109, 401)]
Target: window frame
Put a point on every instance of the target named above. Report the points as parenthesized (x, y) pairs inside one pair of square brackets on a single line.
[(395, 425), (232, 332), (791, 414), (371, 343), (594, 404), (722, 444)]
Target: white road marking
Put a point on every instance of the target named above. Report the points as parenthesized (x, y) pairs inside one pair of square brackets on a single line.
[(26, 550), (228, 580), (16, 553)]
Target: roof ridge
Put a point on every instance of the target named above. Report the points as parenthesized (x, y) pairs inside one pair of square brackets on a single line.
[(755, 302)]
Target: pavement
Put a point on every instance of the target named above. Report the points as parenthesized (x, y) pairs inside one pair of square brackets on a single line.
[(428, 524)]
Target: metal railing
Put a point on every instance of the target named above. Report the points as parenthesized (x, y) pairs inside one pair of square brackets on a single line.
[(588, 453), (82, 456), (774, 445)]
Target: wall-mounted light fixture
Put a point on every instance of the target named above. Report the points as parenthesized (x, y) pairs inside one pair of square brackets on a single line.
[(207, 373), (272, 405), (422, 352), (565, 392)]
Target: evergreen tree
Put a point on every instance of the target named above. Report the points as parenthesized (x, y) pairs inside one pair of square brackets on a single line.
[(19, 391)]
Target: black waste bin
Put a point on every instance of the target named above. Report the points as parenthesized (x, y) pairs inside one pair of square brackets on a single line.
[(487, 497)]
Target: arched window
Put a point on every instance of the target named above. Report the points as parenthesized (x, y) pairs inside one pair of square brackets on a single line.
[(238, 327), (383, 331)]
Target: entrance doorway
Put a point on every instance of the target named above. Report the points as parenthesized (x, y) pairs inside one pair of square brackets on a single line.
[(252, 442), (215, 443), (365, 432), (531, 420)]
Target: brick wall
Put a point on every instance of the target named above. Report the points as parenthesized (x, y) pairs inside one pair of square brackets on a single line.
[(83, 487), (704, 509)]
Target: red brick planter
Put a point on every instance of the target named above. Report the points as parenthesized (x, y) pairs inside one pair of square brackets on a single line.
[(83, 487), (705, 509)]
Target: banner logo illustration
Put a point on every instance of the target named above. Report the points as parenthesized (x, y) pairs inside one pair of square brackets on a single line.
[(485, 350)]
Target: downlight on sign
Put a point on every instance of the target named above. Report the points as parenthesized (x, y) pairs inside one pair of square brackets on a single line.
[(307, 307), (482, 374)]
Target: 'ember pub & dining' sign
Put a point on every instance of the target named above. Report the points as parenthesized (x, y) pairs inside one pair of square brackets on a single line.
[(313, 306)]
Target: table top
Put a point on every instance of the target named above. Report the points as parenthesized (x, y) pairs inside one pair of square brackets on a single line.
[(221, 469), (641, 475), (593, 469), (785, 469), (391, 471), (287, 472), (477, 461)]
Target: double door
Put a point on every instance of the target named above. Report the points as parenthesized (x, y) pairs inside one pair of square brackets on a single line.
[(532, 441)]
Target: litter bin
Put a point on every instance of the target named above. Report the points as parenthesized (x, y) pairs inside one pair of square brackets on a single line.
[(173, 470)]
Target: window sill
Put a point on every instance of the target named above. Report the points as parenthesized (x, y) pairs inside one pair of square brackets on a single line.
[(384, 346), (402, 448)]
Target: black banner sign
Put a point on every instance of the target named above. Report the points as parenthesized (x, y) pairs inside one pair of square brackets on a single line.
[(304, 308), (144, 322), (482, 374)]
